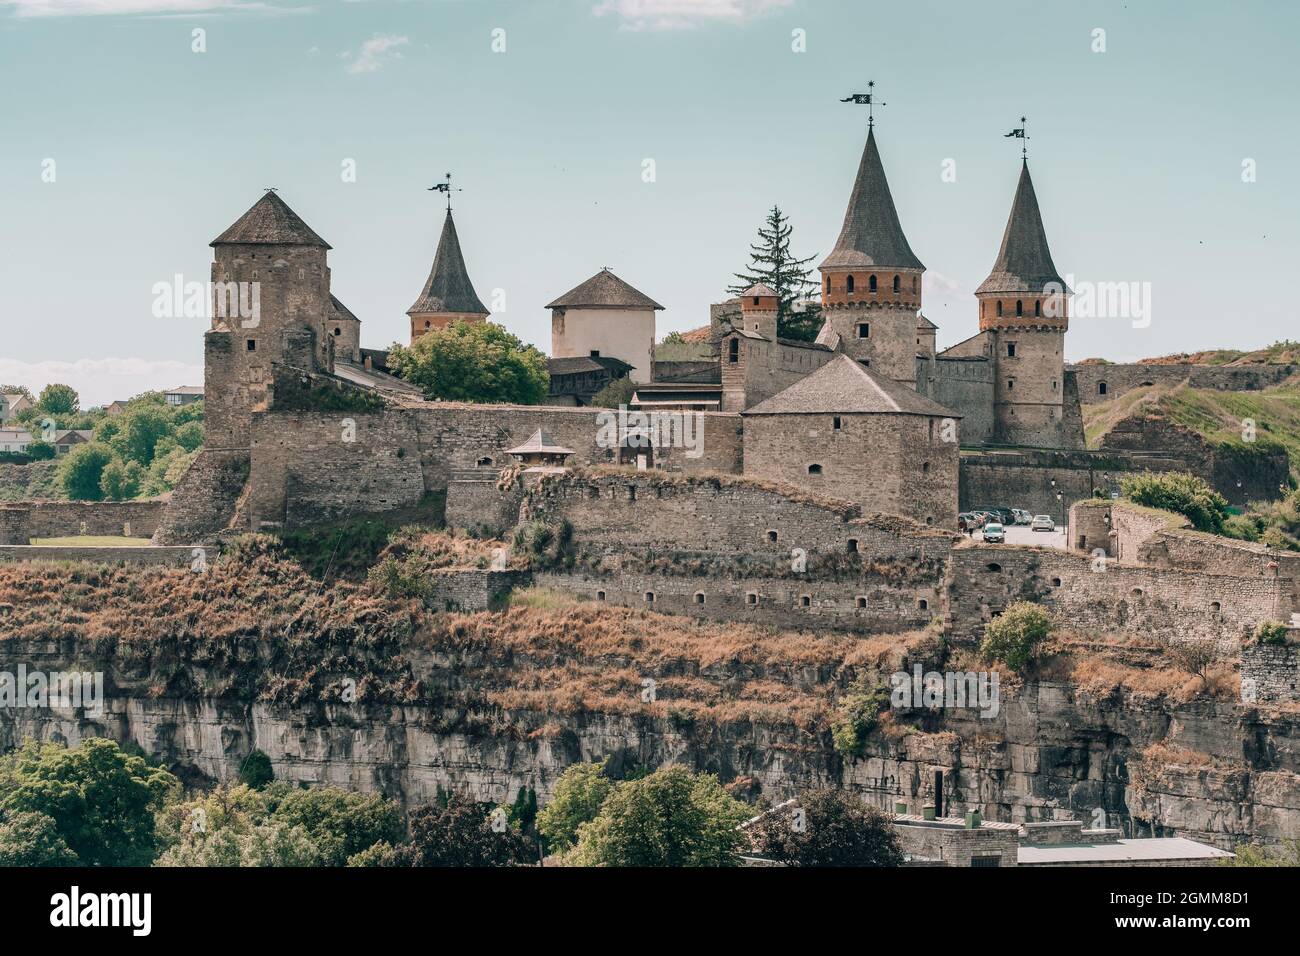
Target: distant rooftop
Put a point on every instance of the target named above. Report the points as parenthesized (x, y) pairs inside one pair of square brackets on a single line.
[(604, 290)]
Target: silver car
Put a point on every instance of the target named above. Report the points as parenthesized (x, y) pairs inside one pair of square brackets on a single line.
[(1042, 523), (994, 533)]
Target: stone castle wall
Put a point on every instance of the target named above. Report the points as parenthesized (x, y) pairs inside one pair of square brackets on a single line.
[(1270, 673), (173, 557), (22, 521), (1121, 379), (964, 385)]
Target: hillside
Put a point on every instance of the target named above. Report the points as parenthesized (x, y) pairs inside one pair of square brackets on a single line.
[(1217, 416), (1285, 352)]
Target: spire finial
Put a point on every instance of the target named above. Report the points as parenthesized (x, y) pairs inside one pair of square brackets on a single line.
[(445, 187), (868, 100), (1021, 134)]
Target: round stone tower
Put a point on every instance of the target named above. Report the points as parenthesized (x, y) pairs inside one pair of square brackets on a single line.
[(1024, 309), (871, 281)]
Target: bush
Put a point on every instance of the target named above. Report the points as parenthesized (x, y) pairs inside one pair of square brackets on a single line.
[(33, 839), (579, 793), (1179, 492), (1014, 637), (341, 824), (40, 450), (856, 717), (616, 393), (82, 471), (473, 362), (256, 770), (826, 828), (1271, 632), (458, 833)]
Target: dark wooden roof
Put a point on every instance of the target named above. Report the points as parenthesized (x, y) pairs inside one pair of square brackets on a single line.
[(604, 290), (871, 237), (1024, 262), (270, 221), (448, 288)]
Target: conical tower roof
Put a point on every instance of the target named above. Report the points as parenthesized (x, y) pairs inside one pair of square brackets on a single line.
[(1024, 262), (448, 288), (871, 237), (270, 221)]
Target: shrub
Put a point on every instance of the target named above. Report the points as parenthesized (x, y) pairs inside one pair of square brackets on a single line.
[(1271, 632), (473, 362), (1180, 492), (458, 833), (857, 716), (40, 450), (827, 828), (341, 824), (1014, 637), (256, 770), (33, 839)]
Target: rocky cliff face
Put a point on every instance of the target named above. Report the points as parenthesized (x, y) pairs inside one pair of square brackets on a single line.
[(481, 704)]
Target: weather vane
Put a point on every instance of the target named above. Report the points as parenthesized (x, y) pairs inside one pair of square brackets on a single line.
[(445, 187), (1019, 133), (271, 189), (866, 99)]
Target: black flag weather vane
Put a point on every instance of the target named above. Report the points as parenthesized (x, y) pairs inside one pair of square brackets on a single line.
[(1019, 133), (445, 187), (866, 99)]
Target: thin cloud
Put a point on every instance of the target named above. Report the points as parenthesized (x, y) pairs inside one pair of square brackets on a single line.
[(145, 8), (684, 14), (375, 52)]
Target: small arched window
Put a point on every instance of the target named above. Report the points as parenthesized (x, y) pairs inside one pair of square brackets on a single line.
[(699, 597), (925, 467), (600, 595), (805, 600), (483, 462), (814, 469), (733, 351), (1020, 307), (862, 603), (872, 283), (848, 284), (853, 545), (771, 536), (916, 283), (1101, 388), (923, 604), (1038, 307), (337, 331), (999, 307), (995, 568), (649, 597), (897, 284)]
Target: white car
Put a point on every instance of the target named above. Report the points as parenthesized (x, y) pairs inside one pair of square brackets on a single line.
[(1042, 523), (993, 533), (1022, 516)]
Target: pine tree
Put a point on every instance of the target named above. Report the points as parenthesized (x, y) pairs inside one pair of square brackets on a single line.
[(773, 265)]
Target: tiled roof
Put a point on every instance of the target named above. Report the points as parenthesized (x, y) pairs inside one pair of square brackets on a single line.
[(1024, 262), (871, 237), (341, 311), (539, 443), (583, 363), (845, 386), (448, 288), (270, 221), (604, 290)]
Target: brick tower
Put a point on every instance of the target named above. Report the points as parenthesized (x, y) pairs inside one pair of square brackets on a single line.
[(448, 295), (871, 281), (273, 258), (1024, 309)]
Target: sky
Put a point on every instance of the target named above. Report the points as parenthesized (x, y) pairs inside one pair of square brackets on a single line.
[(649, 136)]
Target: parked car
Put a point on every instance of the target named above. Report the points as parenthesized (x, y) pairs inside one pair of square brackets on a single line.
[(1022, 516), (994, 533), (1004, 514), (1042, 523), (969, 521)]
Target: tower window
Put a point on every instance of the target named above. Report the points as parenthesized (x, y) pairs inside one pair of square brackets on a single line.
[(751, 598), (805, 600), (649, 597), (1038, 307), (595, 353), (835, 423), (872, 283), (1101, 388), (699, 597), (1011, 383), (897, 284), (733, 351), (861, 603), (1053, 384), (771, 536), (864, 330), (999, 308), (252, 345), (853, 546), (337, 331), (1011, 350), (925, 467), (1020, 307), (848, 284), (756, 300), (916, 283), (814, 469)]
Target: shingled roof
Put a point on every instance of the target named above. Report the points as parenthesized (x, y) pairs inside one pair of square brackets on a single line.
[(448, 288), (341, 311), (843, 386), (1024, 262), (270, 222), (871, 237), (604, 290)]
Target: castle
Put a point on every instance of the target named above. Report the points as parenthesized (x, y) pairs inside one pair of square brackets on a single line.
[(869, 413)]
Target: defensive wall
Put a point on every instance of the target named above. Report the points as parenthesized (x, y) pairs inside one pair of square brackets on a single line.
[(22, 521), (1121, 379)]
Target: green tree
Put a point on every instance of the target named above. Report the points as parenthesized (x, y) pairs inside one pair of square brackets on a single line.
[(59, 400), (1015, 636), (189, 435), (102, 800), (579, 793), (256, 770), (33, 839), (233, 826), (670, 818), (340, 823), (22, 390), (473, 362), (856, 716), (826, 828), (1180, 492), (40, 450), (458, 833), (82, 469), (120, 480), (616, 393), (140, 429), (772, 264)]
